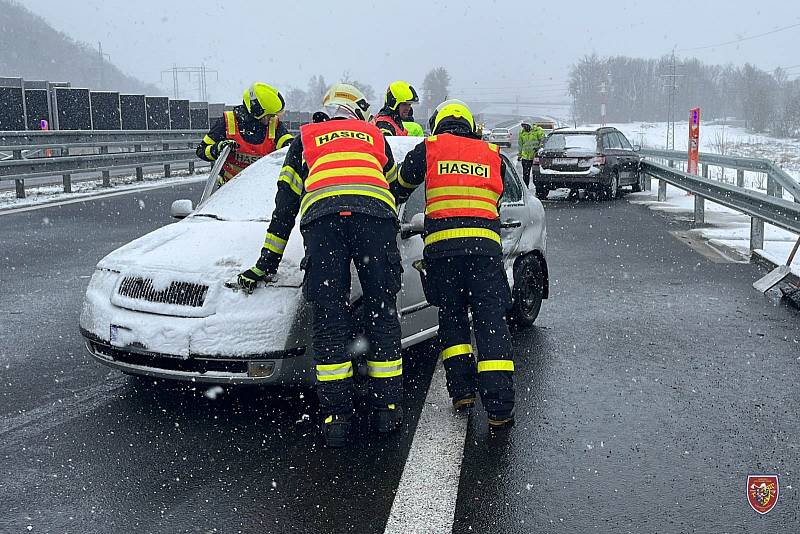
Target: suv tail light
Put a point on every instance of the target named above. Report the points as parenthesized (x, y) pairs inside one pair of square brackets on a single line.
[(599, 160)]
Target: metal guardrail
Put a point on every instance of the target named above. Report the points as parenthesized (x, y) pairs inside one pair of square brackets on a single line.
[(777, 178), (761, 207), (107, 151)]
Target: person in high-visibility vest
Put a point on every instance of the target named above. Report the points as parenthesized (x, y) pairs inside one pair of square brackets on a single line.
[(396, 108), (251, 130), (530, 140), (463, 258), (339, 174)]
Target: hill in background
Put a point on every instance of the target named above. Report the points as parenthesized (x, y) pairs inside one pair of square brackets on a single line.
[(34, 50)]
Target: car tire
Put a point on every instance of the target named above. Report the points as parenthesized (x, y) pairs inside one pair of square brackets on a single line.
[(638, 186), (541, 191), (611, 191), (528, 291)]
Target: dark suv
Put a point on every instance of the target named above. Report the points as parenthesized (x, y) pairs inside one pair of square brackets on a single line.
[(599, 160)]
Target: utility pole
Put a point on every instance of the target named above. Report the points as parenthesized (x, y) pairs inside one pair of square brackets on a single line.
[(672, 85), (604, 90), (200, 72), (101, 79)]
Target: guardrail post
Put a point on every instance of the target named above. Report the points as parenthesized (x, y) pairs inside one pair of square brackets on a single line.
[(704, 171), (191, 163), (20, 187), (739, 178), (139, 171), (67, 181), (167, 167), (16, 154), (778, 190), (756, 233), (106, 173), (699, 210)]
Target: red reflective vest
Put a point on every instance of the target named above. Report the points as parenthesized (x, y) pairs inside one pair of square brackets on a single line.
[(463, 178), (344, 157), (399, 129), (247, 153)]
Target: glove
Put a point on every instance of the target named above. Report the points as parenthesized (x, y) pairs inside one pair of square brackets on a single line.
[(248, 280), (218, 148)]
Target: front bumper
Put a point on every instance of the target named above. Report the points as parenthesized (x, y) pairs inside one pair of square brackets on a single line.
[(291, 367)]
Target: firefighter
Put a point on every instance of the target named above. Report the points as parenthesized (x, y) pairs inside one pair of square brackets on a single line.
[(396, 108), (463, 258), (530, 139), (251, 130), (338, 174)]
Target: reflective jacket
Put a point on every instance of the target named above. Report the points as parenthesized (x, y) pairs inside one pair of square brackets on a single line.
[(389, 123), (341, 165), (463, 186), (530, 142), (251, 132)]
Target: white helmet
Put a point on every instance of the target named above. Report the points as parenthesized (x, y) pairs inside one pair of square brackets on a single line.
[(344, 95)]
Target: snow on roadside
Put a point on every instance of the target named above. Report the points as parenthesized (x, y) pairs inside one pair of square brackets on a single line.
[(724, 227), (45, 194)]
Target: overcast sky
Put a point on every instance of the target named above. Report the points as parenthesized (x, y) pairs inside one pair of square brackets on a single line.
[(492, 49)]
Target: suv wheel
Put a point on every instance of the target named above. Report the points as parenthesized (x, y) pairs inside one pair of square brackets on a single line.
[(611, 190), (541, 191), (528, 291), (638, 186)]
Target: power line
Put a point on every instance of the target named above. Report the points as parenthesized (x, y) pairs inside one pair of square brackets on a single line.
[(739, 40)]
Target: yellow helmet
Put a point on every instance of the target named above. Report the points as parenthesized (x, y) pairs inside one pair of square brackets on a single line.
[(453, 109), (349, 97), (399, 92), (261, 100)]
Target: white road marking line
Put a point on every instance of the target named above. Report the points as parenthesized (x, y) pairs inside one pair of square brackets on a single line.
[(428, 489), (88, 197)]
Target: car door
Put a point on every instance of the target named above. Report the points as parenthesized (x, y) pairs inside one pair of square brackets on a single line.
[(513, 214), (417, 318), (630, 159), (612, 150)]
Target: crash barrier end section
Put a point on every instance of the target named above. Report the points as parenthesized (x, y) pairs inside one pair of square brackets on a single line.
[(761, 208)]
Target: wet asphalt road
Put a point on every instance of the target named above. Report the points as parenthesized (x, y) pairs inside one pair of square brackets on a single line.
[(654, 382)]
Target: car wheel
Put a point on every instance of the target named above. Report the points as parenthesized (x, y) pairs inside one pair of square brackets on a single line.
[(611, 190), (542, 191), (528, 291), (638, 186)]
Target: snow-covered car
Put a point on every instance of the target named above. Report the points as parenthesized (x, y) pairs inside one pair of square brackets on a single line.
[(159, 306)]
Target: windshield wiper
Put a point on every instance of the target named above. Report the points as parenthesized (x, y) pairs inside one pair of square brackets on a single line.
[(209, 215)]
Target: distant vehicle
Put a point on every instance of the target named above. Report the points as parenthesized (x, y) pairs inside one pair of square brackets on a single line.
[(159, 306), (500, 137), (600, 160)]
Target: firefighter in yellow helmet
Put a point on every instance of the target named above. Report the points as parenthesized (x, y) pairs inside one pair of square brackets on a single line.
[(463, 258), (400, 96), (252, 130), (340, 176)]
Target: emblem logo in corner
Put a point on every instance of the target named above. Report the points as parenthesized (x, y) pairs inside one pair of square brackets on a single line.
[(762, 492)]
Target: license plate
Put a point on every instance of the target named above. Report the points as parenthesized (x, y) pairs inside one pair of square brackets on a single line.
[(565, 161)]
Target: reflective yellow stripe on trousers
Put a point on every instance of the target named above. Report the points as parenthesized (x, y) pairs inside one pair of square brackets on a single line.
[(495, 365), (334, 371), (465, 349), (385, 369)]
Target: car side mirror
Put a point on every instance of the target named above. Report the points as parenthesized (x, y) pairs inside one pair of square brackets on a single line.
[(413, 227), (180, 209)]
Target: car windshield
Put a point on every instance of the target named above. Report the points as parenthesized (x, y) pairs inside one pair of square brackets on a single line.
[(571, 141), (251, 196)]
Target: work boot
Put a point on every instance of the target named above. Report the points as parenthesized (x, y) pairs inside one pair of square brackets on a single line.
[(498, 422), (464, 402), (388, 419), (336, 429)]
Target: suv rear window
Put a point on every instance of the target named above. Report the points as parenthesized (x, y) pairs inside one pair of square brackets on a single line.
[(566, 141)]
